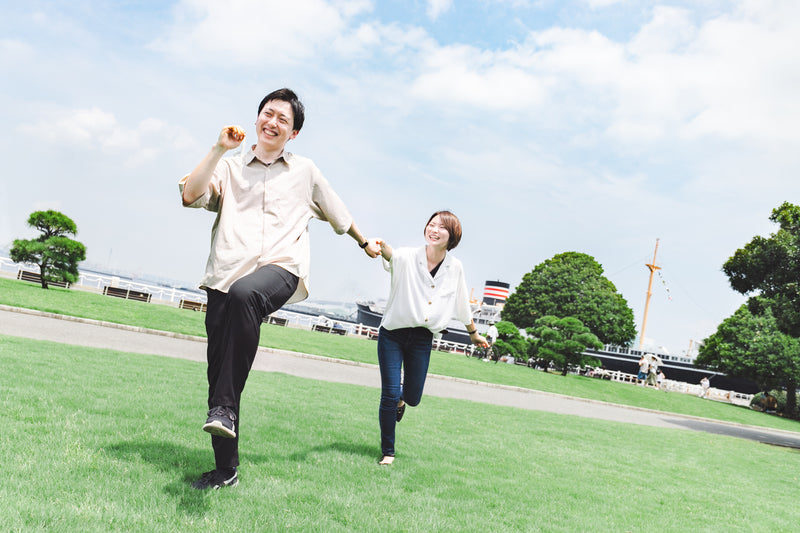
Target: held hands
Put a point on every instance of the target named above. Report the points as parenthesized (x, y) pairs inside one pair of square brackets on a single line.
[(384, 249), (230, 137), (373, 248)]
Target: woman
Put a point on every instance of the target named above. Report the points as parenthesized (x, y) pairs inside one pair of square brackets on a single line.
[(428, 290)]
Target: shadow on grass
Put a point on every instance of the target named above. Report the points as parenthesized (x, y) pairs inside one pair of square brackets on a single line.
[(348, 448), (185, 462)]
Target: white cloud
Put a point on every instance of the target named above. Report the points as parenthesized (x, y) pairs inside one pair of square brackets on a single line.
[(15, 52), (95, 129), (438, 7), (75, 127), (669, 30), (464, 75), (732, 77), (599, 4), (254, 32)]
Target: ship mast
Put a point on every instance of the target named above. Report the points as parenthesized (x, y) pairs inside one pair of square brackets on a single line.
[(652, 266)]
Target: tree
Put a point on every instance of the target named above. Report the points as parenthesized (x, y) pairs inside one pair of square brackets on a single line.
[(771, 267), (572, 284), (751, 346), (509, 341), (563, 341), (56, 254)]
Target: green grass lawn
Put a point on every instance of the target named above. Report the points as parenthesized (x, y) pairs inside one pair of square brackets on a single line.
[(98, 440), (166, 318)]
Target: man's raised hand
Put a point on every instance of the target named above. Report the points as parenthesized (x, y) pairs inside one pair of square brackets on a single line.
[(230, 137)]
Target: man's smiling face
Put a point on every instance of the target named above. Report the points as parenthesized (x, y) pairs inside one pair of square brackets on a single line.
[(275, 124)]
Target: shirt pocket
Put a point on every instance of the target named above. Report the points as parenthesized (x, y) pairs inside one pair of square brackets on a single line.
[(282, 197), (446, 288)]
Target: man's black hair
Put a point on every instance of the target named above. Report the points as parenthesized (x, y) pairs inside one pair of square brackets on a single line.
[(287, 95)]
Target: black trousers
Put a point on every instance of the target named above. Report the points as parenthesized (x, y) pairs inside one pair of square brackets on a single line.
[(233, 326)]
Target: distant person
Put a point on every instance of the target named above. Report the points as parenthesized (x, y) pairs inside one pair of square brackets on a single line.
[(705, 384), (660, 379), (492, 334), (652, 372), (644, 365), (770, 402), (427, 290), (260, 254)]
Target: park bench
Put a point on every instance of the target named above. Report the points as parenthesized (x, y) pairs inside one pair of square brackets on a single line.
[(329, 329), (278, 321), (193, 305), (35, 277), (128, 294)]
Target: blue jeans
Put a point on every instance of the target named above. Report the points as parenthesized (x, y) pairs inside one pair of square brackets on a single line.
[(406, 350)]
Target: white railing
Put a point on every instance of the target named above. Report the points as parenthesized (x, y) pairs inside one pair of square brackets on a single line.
[(360, 330), (96, 282), (720, 395), (158, 292)]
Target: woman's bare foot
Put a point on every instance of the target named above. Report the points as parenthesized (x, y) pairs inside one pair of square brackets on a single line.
[(387, 460)]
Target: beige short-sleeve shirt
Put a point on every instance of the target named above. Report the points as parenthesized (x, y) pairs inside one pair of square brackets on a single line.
[(263, 212)]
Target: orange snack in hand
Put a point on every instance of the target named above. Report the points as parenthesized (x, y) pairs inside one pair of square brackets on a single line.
[(236, 133)]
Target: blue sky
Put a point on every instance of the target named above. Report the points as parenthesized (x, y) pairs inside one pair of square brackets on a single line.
[(595, 126)]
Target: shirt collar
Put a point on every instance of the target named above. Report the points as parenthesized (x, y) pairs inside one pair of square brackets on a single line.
[(422, 258), (249, 156)]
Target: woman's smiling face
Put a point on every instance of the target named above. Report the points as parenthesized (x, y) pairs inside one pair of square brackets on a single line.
[(436, 234)]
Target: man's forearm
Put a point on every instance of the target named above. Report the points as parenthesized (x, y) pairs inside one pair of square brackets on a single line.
[(355, 233), (197, 183)]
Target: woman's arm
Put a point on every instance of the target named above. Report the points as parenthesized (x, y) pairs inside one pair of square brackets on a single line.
[(386, 250), (474, 337)]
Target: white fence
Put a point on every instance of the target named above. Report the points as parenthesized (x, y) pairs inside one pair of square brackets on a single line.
[(669, 385), (95, 282)]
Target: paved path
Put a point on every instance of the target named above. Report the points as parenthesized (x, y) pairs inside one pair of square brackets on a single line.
[(82, 332)]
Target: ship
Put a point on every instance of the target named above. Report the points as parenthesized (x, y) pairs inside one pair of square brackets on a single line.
[(485, 312), (675, 367)]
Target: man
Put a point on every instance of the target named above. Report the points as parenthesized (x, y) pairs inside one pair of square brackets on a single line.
[(644, 365), (260, 254), (652, 372), (705, 383), (491, 334)]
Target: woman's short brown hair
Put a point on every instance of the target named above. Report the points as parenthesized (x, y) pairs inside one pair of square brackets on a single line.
[(451, 224)]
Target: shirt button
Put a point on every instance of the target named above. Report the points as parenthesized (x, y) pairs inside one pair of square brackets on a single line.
[(430, 303), (426, 320), (433, 286)]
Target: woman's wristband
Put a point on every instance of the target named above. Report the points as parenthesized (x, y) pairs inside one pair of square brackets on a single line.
[(473, 332), (362, 246)]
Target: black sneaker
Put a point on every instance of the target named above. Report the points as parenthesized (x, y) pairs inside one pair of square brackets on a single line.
[(216, 479), (401, 409), (221, 422)]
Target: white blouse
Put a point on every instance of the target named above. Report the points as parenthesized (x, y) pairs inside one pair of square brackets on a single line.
[(418, 300)]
